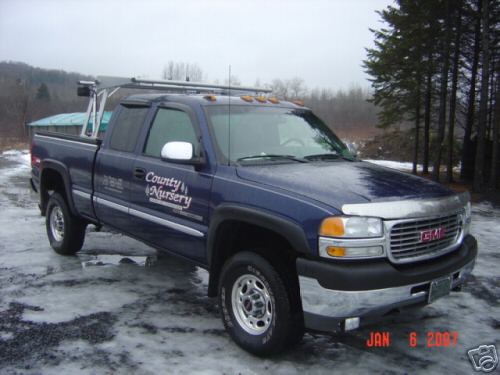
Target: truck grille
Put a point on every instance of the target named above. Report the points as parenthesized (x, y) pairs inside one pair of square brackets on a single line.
[(407, 243)]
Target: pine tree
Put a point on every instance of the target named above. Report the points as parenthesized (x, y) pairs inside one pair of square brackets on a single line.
[(429, 61), (43, 92)]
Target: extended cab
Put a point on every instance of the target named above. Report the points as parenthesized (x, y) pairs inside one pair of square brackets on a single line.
[(294, 231)]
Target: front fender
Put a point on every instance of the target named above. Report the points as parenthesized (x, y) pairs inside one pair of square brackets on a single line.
[(287, 229)]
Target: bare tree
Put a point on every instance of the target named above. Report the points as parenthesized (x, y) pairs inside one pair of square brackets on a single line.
[(296, 87), (194, 73), (168, 71), (181, 71), (280, 88), (235, 81)]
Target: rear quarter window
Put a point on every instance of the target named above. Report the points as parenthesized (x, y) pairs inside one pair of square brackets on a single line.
[(127, 127)]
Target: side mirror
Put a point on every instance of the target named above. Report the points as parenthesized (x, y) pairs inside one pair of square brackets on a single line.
[(180, 152), (83, 91)]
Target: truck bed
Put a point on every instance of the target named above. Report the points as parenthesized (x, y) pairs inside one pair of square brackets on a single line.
[(74, 156)]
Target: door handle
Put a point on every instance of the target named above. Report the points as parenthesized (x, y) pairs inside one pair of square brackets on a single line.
[(139, 173)]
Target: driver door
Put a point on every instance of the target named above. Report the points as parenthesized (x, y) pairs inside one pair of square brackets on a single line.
[(169, 201)]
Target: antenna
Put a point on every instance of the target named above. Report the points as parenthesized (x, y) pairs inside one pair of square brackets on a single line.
[(229, 121)]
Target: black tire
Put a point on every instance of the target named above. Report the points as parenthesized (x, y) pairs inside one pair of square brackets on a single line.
[(271, 334), (66, 232)]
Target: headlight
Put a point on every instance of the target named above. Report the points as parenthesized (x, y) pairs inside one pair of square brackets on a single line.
[(351, 237), (351, 227)]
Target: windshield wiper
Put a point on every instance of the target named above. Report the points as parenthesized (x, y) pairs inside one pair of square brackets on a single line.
[(328, 156), (272, 156), (323, 156)]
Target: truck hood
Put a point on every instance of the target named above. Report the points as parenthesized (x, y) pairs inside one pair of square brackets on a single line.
[(336, 183)]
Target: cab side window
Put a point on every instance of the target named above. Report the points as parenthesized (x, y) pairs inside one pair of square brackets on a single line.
[(170, 125), (127, 128)]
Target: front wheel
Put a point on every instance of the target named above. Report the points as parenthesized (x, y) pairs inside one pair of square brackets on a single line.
[(255, 306), (66, 232)]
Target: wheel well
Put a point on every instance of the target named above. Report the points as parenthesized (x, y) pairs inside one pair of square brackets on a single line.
[(51, 181), (234, 236)]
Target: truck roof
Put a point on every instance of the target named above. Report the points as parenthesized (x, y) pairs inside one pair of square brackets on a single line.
[(207, 99)]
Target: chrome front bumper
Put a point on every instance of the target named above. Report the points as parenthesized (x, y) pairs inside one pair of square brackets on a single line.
[(339, 305)]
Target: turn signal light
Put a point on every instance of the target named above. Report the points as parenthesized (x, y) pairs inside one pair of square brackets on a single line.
[(334, 251), (332, 226), (212, 98), (274, 100), (261, 99)]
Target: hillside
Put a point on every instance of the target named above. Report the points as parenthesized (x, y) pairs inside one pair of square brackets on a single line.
[(28, 93)]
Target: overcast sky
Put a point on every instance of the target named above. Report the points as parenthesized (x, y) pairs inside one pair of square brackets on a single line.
[(322, 42)]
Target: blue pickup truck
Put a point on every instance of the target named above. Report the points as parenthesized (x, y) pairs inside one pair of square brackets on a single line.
[(295, 232)]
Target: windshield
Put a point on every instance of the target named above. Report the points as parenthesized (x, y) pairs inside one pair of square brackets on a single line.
[(266, 133)]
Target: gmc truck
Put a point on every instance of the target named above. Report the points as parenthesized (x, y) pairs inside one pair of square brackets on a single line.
[(295, 232)]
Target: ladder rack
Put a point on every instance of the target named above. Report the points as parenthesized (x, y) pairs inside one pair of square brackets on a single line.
[(105, 86)]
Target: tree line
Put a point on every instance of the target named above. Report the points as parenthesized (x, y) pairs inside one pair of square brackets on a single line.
[(28, 93), (347, 111), (436, 63)]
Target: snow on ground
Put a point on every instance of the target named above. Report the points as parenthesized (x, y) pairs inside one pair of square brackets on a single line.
[(401, 165), (118, 308), (404, 166)]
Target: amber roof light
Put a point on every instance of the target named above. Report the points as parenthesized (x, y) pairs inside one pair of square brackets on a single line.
[(298, 102), (247, 98)]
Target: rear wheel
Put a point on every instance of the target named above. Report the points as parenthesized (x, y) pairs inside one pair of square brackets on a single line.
[(255, 306), (66, 232)]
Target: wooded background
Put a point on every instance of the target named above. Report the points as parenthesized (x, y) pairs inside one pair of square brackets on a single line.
[(436, 63), (28, 93)]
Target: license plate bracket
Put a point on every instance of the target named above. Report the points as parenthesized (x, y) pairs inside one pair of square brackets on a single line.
[(439, 288)]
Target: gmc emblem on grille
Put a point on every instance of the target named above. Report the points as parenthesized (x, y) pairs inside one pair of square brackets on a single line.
[(432, 234)]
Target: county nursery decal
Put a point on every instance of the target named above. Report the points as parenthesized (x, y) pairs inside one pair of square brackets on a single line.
[(167, 191)]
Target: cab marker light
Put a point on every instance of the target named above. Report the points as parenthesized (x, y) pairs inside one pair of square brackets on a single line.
[(298, 102), (247, 98)]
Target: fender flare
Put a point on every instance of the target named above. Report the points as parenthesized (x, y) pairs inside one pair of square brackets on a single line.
[(291, 231), (49, 164)]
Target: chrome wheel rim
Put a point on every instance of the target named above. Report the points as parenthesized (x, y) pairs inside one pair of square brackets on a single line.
[(252, 305), (56, 221)]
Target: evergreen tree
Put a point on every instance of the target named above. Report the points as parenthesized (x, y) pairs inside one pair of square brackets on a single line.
[(428, 61), (43, 92)]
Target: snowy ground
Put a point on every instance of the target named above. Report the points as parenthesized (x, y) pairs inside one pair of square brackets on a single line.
[(405, 166), (118, 309)]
